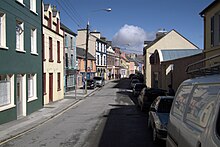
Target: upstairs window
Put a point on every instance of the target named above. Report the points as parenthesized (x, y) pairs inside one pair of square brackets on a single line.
[(33, 5), (20, 1), (19, 36), (34, 41), (66, 40), (2, 30), (50, 49), (50, 20), (58, 52), (58, 25)]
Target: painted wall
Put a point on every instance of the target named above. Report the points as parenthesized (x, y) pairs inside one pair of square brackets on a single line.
[(172, 40), (14, 62), (53, 67)]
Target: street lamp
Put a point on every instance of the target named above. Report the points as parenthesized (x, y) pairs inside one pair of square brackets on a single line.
[(87, 47)]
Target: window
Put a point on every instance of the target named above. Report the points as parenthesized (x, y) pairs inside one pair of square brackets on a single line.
[(19, 36), (66, 55), (34, 41), (32, 87), (50, 20), (201, 104), (58, 81), (33, 5), (181, 101), (58, 52), (45, 79), (66, 40), (71, 43), (6, 91), (71, 61), (58, 25), (212, 31), (50, 49), (97, 60), (2, 30)]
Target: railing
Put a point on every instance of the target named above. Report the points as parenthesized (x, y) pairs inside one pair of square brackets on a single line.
[(207, 66)]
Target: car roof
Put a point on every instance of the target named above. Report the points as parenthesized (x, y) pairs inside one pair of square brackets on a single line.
[(204, 79)]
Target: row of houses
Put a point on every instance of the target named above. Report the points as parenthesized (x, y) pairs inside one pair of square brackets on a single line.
[(171, 58), (41, 58)]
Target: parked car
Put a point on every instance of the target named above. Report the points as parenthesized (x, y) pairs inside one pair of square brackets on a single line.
[(159, 115), (137, 88), (133, 82), (100, 81), (91, 84), (131, 75), (195, 114), (147, 96)]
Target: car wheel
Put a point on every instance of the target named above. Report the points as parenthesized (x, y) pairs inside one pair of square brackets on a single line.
[(155, 135)]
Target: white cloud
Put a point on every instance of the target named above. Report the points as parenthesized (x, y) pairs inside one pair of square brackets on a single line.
[(132, 38)]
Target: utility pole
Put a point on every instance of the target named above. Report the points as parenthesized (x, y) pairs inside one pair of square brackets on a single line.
[(86, 56)]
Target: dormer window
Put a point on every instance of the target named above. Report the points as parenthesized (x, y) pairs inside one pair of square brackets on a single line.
[(50, 20), (58, 25)]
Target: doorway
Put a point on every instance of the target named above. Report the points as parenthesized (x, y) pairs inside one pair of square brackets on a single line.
[(20, 96)]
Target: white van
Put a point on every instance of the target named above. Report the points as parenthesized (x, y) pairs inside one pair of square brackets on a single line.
[(195, 114)]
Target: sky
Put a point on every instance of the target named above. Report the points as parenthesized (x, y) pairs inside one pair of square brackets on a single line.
[(131, 22)]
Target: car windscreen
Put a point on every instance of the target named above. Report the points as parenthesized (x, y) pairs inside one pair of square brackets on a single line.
[(97, 78), (164, 106)]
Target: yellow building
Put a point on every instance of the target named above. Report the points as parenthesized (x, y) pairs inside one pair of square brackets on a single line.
[(52, 55)]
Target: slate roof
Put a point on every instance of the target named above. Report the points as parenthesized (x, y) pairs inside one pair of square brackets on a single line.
[(66, 29), (172, 54), (80, 53)]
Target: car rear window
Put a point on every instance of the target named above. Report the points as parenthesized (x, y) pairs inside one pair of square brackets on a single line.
[(97, 78), (165, 105)]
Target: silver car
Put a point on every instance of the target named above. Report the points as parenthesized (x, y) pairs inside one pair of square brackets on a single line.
[(100, 81)]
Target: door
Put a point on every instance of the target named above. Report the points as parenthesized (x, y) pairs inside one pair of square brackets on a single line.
[(19, 96), (50, 87)]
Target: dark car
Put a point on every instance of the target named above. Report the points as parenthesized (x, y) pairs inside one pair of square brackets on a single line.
[(100, 81), (137, 88), (147, 96), (159, 116), (91, 84)]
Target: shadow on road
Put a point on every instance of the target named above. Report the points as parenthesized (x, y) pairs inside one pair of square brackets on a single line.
[(126, 125)]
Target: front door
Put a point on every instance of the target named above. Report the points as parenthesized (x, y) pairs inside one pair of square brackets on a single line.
[(50, 87), (19, 96)]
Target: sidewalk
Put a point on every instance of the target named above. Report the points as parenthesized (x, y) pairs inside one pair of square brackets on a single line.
[(18, 127)]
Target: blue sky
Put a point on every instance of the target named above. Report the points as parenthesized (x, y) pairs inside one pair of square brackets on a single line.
[(133, 17)]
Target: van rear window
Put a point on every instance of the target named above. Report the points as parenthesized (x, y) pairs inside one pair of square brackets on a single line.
[(181, 100), (201, 104)]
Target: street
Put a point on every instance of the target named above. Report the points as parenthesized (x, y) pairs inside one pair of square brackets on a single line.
[(108, 118)]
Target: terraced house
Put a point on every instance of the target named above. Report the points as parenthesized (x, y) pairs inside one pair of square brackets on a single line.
[(20, 58), (52, 55)]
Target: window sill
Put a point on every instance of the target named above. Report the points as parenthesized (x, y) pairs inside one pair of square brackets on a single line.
[(59, 89), (58, 61), (32, 99), (20, 3), (36, 54), (3, 108), (34, 12), (22, 51), (45, 93), (4, 47), (51, 60)]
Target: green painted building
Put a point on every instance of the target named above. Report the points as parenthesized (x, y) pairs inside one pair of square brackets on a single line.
[(20, 58)]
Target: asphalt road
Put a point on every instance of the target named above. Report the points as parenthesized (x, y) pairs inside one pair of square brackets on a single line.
[(108, 118)]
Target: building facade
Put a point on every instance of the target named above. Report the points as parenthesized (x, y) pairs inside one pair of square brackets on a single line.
[(110, 62), (101, 58), (70, 60), (164, 40), (53, 69), (117, 62), (21, 59)]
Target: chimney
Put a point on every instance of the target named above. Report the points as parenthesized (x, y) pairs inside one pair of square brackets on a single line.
[(160, 33)]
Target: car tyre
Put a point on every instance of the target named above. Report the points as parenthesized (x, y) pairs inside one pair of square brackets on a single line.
[(148, 123)]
